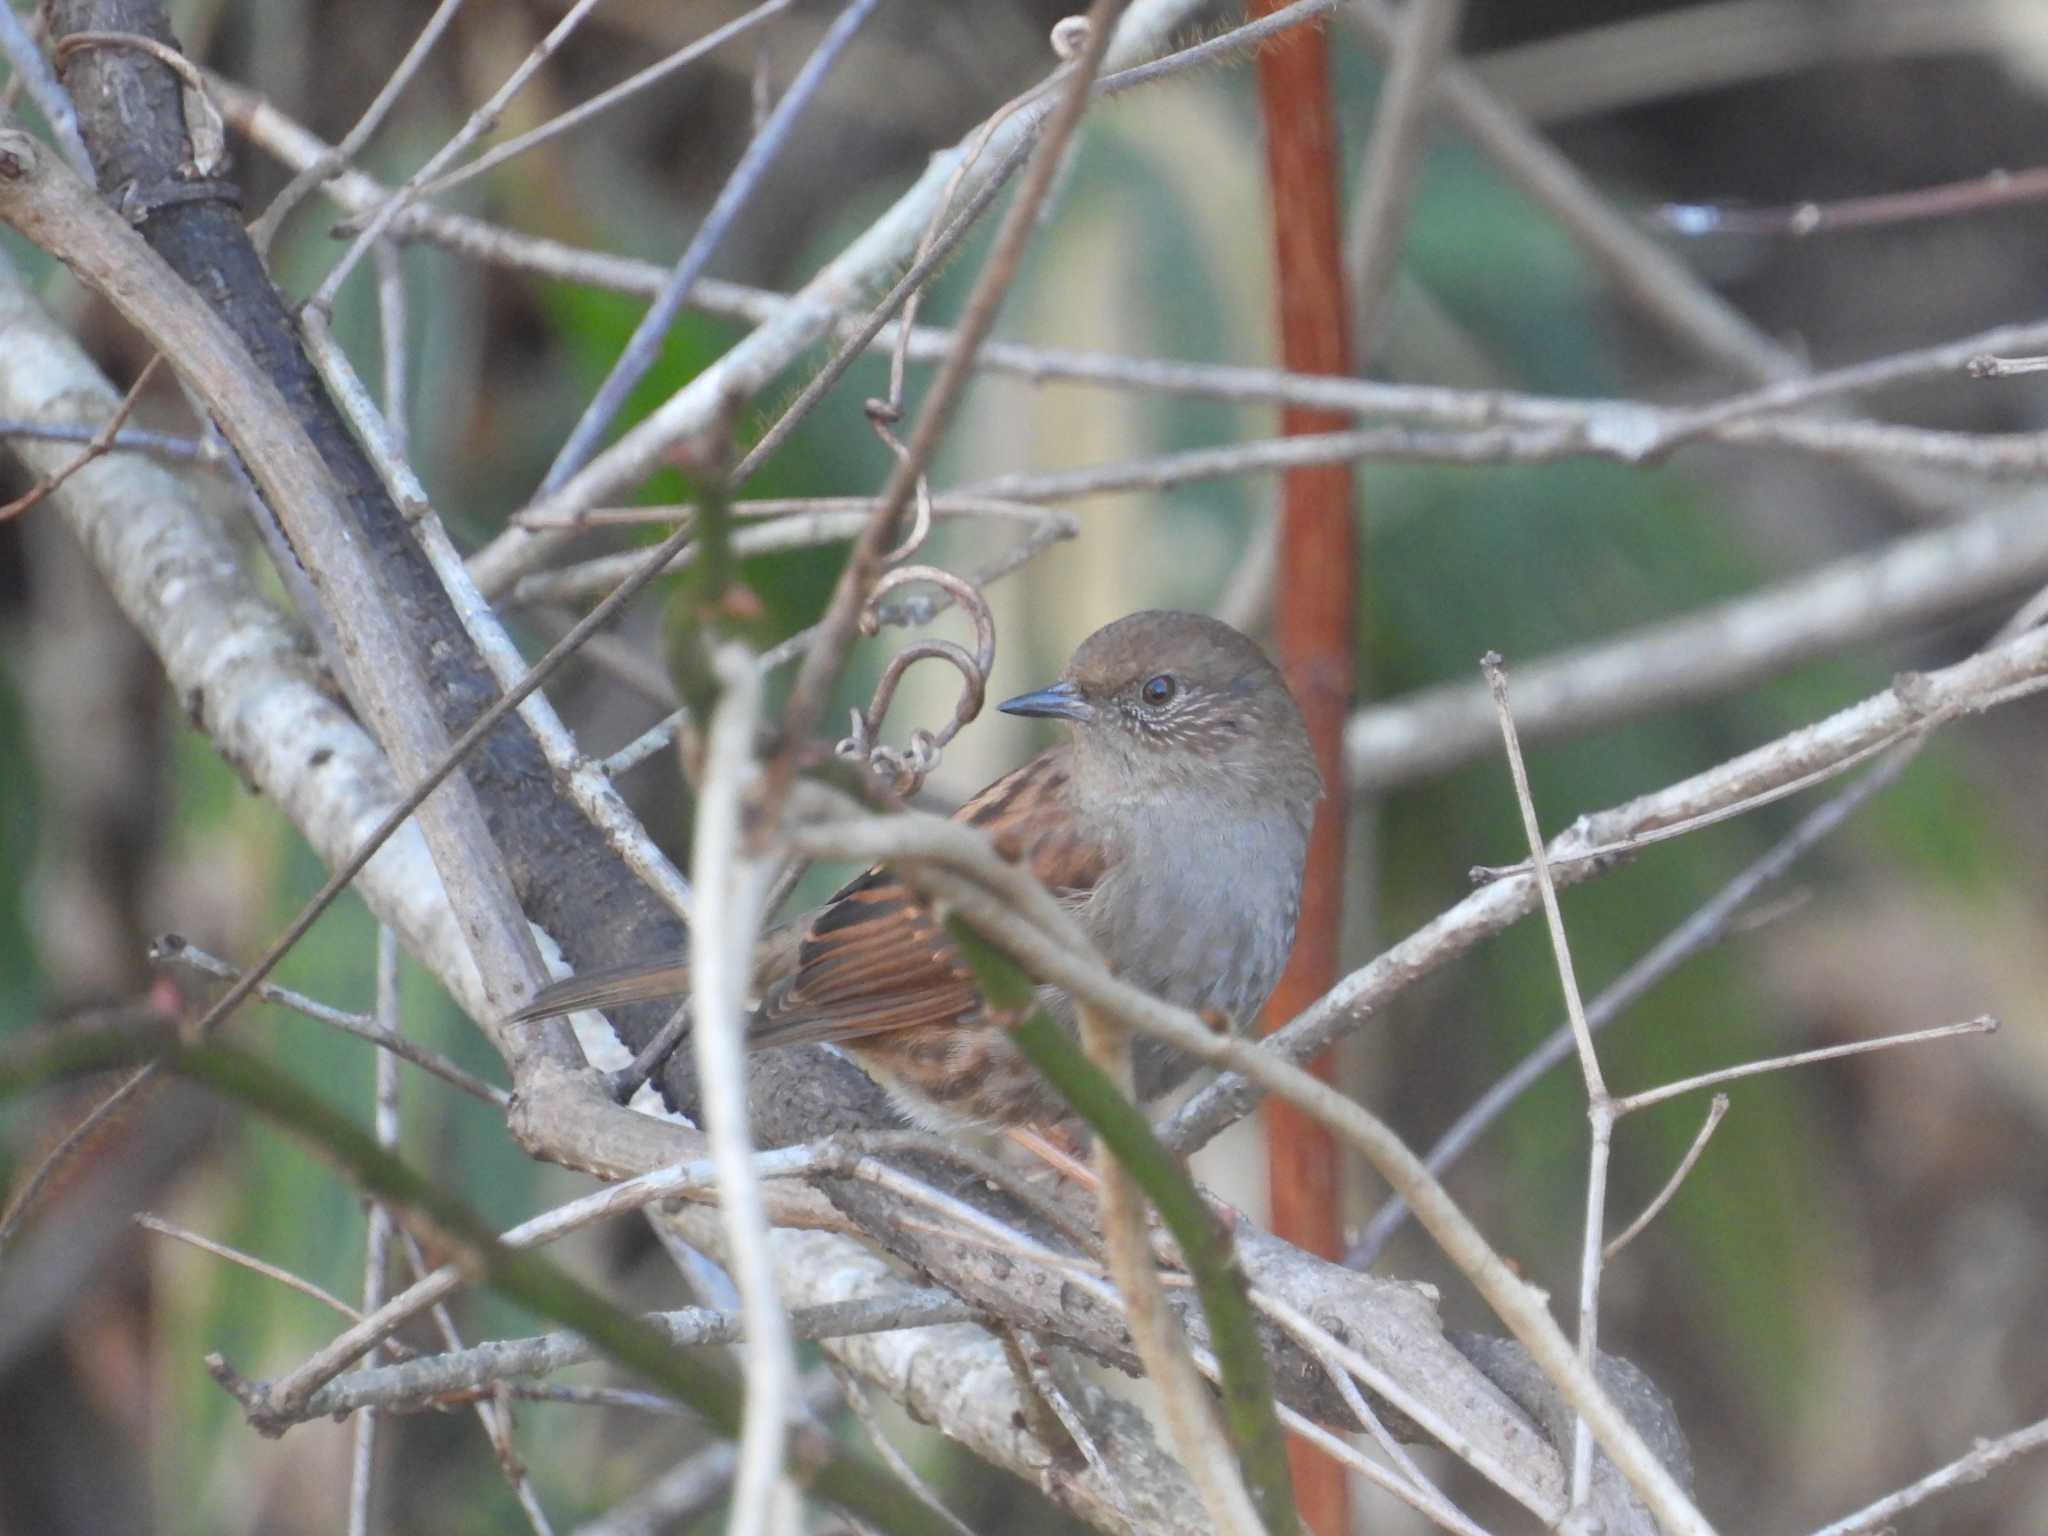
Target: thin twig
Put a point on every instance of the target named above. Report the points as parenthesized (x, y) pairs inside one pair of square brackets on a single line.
[(1589, 1060), (833, 524), (482, 1367), (786, 506), (381, 1226), (1599, 1106), (31, 1190), (393, 336), (479, 122), (1393, 157), (864, 1412), (1994, 189), (1628, 1234), (1326, 1345), (644, 347), (33, 73), (606, 99), (248, 1261), (163, 445), (695, 1484), (1982, 1458), (1983, 1024), (1628, 431), (171, 949), (1987, 365), (493, 1414), (264, 227), (289, 1394), (1034, 1358), (101, 442), (1405, 1481)]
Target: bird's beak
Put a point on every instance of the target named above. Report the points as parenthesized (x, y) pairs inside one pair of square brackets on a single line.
[(1062, 701)]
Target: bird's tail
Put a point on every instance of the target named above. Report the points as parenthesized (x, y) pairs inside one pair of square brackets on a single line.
[(636, 982)]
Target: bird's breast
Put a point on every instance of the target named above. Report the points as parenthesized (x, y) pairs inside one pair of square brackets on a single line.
[(1201, 911)]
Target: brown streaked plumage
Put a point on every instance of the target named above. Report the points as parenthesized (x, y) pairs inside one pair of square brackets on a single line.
[(1174, 823)]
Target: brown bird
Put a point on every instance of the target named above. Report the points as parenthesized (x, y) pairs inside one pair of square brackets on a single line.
[(1173, 823)]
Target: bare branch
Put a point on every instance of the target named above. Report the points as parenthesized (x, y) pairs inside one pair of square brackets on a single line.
[(382, 1226), (494, 1414), (101, 442), (25, 58), (750, 364), (1848, 602), (1995, 189), (40, 198), (1429, 33), (1983, 1458), (1626, 431), (721, 973), (418, 1382), (287, 1397)]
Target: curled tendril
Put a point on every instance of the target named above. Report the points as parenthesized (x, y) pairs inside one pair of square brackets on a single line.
[(882, 415), (905, 769)]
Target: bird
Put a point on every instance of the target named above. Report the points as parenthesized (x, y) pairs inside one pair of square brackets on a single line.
[(1173, 822)]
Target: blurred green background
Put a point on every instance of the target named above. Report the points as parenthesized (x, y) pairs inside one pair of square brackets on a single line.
[(1849, 1287)]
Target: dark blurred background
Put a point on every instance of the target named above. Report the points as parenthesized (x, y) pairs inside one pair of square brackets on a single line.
[(1849, 1288)]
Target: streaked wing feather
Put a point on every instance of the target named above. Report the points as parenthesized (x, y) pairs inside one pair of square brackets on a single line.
[(875, 959)]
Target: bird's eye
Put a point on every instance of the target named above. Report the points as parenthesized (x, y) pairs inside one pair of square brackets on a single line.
[(1159, 690)]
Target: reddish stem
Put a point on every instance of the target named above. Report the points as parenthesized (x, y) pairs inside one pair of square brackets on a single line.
[(1314, 626)]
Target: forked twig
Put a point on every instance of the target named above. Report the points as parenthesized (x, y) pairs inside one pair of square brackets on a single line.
[(102, 441), (1629, 1233), (1599, 1106)]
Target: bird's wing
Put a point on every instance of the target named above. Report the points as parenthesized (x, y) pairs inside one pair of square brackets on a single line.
[(876, 958)]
